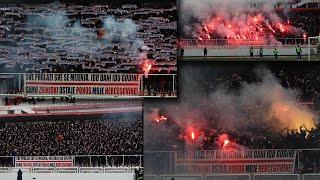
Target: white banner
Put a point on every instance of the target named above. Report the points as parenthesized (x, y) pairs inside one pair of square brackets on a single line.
[(237, 162), (43, 161), (82, 84)]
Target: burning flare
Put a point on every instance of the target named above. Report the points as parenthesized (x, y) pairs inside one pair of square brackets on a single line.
[(146, 66)]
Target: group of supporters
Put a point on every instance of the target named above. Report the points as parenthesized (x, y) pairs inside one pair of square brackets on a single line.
[(250, 130), (109, 136), (308, 21), (74, 38), (262, 135)]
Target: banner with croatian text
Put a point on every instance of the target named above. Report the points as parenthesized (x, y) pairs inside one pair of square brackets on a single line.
[(43, 161), (236, 162), (103, 84)]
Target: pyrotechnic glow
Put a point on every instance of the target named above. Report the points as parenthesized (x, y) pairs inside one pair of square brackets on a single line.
[(160, 119), (291, 116), (305, 36), (192, 136), (226, 142), (247, 27), (146, 66)]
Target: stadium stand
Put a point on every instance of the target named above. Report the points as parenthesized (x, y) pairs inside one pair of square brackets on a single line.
[(100, 137), (253, 147), (303, 80), (284, 26), (60, 138), (75, 42)]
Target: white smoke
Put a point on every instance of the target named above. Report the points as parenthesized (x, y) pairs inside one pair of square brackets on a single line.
[(117, 31), (262, 103)]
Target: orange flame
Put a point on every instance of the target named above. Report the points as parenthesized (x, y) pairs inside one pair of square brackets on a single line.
[(193, 136)]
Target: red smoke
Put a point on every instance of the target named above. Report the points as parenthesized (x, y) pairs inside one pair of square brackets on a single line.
[(224, 140), (254, 28), (192, 134)]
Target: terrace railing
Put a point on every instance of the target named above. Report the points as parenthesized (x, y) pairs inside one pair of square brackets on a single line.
[(238, 42)]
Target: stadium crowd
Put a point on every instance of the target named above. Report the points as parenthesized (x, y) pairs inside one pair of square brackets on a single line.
[(70, 38), (87, 137), (251, 132), (262, 136), (304, 21)]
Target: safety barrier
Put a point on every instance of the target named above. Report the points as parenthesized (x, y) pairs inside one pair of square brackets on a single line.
[(70, 161), (76, 176), (69, 170), (236, 177), (228, 177), (231, 42), (181, 177), (150, 177), (276, 177), (311, 176)]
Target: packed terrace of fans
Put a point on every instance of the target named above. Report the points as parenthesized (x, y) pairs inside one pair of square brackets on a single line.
[(253, 136), (110, 136), (28, 47), (256, 135), (94, 137), (306, 22)]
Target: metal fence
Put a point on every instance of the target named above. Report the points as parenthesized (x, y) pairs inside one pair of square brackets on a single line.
[(276, 177), (231, 42), (236, 177), (70, 170), (311, 176), (228, 177)]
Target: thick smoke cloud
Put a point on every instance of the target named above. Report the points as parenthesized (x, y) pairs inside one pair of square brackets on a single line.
[(234, 19), (86, 40), (269, 101), (255, 105), (205, 8)]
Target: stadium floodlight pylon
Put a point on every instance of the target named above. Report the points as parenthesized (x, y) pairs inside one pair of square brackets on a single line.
[(314, 48)]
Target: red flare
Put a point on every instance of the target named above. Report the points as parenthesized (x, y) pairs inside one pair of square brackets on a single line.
[(146, 66), (193, 136), (160, 119), (226, 142)]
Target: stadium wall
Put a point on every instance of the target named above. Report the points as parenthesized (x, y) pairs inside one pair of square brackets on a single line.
[(77, 176), (242, 51), (236, 177)]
